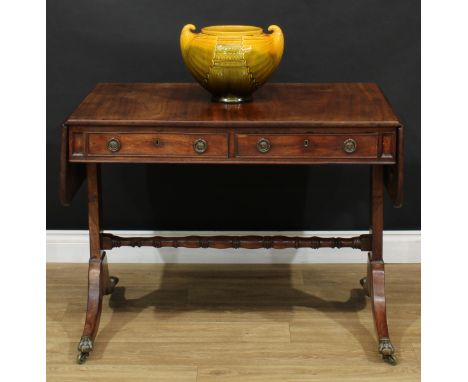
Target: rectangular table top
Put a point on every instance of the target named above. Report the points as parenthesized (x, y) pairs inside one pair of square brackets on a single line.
[(306, 123), (275, 104)]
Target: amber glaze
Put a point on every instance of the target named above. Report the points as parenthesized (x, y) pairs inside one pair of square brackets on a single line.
[(287, 124), (231, 61)]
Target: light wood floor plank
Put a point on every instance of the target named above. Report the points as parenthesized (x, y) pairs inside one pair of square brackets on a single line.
[(233, 323)]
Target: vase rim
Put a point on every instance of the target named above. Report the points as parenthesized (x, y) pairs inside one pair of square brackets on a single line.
[(231, 30)]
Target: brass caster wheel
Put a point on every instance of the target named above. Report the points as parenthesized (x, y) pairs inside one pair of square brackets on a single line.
[(387, 350), (390, 359), (363, 283), (113, 282), (82, 357)]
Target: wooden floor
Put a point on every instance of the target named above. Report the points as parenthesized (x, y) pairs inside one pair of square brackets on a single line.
[(210, 323)]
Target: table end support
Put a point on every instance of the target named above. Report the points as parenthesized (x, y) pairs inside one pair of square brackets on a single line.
[(374, 283), (99, 281)]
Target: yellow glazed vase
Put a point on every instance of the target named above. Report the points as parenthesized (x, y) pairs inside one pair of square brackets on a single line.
[(231, 61)]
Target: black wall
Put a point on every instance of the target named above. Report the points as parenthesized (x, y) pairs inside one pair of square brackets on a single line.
[(89, 41)]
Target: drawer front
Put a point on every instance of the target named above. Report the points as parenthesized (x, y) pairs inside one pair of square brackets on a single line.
[(158, 144), (307, 145)]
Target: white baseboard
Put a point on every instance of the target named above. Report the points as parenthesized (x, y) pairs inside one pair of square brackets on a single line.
[(73, 247)]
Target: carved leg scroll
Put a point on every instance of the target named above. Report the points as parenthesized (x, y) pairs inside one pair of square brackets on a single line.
[(99, 282), (374, 283)]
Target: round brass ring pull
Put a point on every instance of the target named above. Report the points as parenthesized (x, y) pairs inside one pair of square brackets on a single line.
[(113, 145), (263, 145), (349, 146), (200, 146)]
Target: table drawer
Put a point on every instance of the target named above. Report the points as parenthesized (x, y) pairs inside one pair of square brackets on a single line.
[(307, 145), (158, 144)]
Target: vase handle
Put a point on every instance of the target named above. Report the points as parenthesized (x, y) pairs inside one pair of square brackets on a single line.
[(278, 42), (186, 35)]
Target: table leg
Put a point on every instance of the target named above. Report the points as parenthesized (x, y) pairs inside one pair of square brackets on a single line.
[(99, 282), (374, 283)]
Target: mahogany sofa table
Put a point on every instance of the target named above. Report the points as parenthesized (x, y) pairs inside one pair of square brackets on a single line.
[(347, 123)]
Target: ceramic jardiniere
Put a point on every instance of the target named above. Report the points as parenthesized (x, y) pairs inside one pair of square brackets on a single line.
[(231, 61)]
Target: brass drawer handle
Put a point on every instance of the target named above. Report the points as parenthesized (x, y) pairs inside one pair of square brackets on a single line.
[(349, 146), (113, 145), (200, 146), (306, 143), (263, 145)]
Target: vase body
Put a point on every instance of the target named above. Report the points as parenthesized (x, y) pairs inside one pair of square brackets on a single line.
[(231, 61)]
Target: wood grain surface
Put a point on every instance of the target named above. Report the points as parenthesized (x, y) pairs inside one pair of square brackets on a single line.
[(186, 104), (233, 323)]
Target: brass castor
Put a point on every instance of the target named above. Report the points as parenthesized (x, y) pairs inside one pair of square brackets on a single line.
[(113, 281), (82, 357), (364, 285), (387, 351), (85, 346), (390, 359)]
